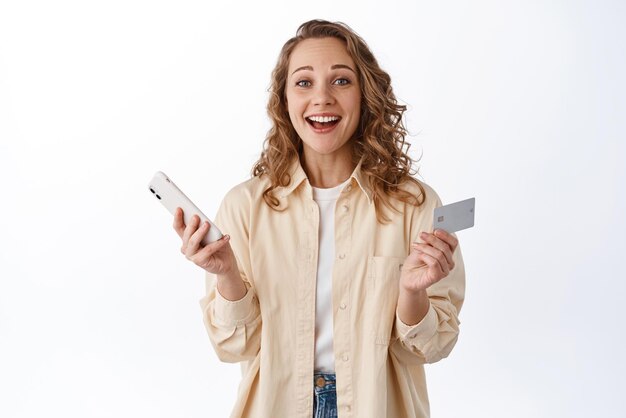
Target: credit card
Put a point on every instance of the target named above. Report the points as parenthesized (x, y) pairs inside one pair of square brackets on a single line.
[(455, 216)]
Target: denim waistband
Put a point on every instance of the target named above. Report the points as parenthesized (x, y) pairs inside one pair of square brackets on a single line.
[(324, 380)]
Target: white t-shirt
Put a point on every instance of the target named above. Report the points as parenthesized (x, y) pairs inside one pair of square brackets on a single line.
[(324, 355)]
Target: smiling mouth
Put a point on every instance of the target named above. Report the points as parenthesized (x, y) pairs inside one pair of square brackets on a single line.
[(323, 122)]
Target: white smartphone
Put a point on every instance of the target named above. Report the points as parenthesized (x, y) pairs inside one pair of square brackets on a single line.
[(164, 189)]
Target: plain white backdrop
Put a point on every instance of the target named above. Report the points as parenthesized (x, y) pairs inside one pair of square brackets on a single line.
[(518, 103)]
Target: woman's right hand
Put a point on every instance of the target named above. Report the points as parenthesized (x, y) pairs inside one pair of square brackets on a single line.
[(216, 257)]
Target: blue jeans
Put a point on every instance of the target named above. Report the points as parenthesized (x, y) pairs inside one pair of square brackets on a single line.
[(324, 395)]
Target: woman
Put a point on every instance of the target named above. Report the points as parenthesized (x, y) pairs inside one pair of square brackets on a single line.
[(329, 289)]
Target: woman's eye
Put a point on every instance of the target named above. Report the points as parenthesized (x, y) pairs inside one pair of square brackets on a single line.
[(303, 83), (342, 81)]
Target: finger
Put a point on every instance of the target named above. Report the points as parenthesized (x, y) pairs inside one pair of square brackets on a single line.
[(196, 238), (434, 265), (452, 241), (437, 249), (202, 256), (414, 254), (179, 223), (431, 253), (437, 254), (439, 244), (189, 230)]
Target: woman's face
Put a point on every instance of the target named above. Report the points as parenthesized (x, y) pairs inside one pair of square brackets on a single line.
[(323, 96)]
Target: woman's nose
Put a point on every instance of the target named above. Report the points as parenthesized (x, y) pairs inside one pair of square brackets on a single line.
[(323, 96)]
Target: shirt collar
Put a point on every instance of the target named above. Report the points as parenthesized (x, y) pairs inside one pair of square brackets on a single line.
[(363, 181), (298, 176)]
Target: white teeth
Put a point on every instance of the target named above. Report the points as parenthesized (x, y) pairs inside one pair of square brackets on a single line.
[(323, 119)]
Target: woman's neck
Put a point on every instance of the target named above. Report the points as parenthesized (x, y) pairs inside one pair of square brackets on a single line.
[(326, 171)]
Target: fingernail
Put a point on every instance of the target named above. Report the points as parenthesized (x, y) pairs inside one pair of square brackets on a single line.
[(423, 235)]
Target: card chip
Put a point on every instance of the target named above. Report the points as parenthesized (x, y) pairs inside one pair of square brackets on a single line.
[(440, 219)]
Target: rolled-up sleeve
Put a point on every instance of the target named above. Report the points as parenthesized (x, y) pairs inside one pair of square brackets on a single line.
[(234, 327), (228, 313)]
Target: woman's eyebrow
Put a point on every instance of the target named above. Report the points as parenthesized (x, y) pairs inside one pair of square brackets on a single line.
[(306, 67), (334, 67)]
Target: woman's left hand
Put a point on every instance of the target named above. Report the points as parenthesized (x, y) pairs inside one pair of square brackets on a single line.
[(429, 262)]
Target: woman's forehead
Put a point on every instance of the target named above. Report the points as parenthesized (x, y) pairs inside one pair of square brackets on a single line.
[(320, 52)]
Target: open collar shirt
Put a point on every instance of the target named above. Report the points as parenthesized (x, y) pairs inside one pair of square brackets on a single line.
[(271, 330)]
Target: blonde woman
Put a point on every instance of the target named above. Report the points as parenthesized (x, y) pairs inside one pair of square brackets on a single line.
[(330, 287)]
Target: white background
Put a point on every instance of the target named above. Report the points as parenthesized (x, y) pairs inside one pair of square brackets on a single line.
[(518, 103)]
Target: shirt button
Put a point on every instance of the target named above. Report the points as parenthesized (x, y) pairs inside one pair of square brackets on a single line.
[(342, 256), (345, 357), (346, 208), (348, 188), (342, 306), (348, 408)]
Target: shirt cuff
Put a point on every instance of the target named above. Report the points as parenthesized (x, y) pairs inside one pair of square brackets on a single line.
[(234, 312), (420, 333)]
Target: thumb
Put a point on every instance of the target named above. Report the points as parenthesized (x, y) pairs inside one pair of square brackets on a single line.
[(218, 245)]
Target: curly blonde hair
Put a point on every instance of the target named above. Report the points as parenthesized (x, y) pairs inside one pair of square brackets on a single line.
[(379, 139)]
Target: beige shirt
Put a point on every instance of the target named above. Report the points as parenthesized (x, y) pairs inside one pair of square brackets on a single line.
[(271, 330)]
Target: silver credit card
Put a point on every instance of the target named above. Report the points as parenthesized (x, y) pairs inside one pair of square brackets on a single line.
[(455, 216)]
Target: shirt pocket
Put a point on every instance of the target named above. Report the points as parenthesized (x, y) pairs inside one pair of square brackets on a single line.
[(383, 276)]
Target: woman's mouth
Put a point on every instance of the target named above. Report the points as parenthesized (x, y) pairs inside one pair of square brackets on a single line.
[(323, 124)]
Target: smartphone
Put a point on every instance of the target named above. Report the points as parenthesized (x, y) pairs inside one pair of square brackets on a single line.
[(455, 216), (170, 196)]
